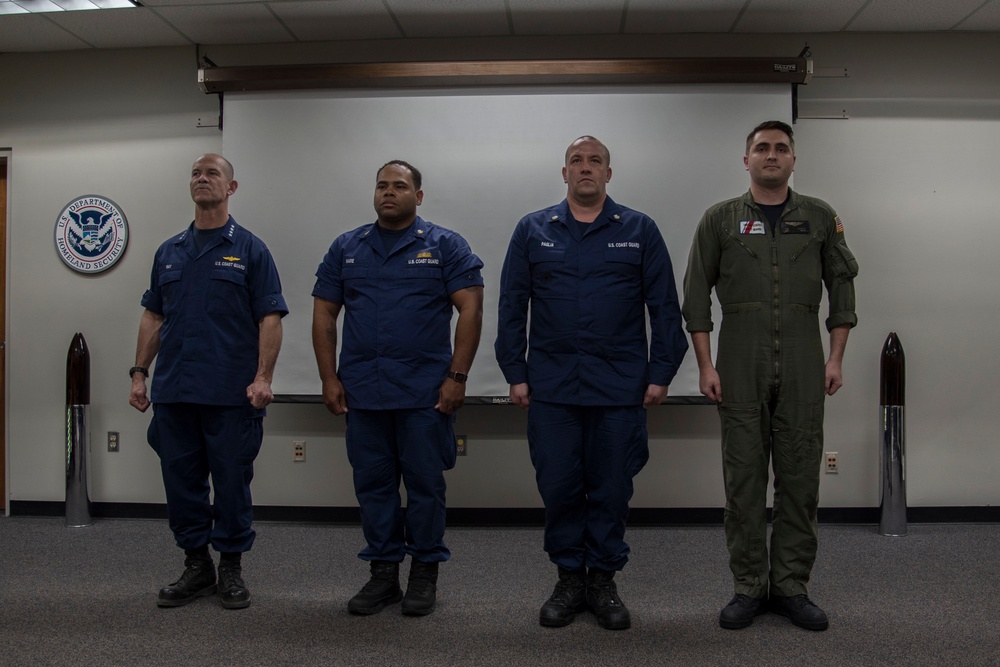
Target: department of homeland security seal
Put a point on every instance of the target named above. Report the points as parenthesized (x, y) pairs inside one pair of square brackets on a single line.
[(91, 234)]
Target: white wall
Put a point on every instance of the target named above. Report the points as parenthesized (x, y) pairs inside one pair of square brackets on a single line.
[(910, 172)]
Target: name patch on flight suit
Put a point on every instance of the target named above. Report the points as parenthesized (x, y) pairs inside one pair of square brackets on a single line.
[(424, 258), (751, 227), (794, 226)]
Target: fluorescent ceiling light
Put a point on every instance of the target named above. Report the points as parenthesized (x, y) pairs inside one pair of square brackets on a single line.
[(40, 6)]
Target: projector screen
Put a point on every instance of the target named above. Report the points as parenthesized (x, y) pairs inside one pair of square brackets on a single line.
[(306, 164)]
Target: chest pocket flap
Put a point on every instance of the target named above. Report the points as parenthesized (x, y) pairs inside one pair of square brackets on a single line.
[(229, 275), (623, 255), (536, 255), (167, 277), (353, 272)]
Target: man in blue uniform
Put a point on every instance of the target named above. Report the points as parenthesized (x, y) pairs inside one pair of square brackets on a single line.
[(212, 320), (589, 269), (399, 382), (768, 254)]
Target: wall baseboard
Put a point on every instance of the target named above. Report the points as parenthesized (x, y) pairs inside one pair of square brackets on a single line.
[(517, 516)]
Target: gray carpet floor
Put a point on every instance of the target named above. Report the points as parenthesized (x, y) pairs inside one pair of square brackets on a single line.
[(86, 596)]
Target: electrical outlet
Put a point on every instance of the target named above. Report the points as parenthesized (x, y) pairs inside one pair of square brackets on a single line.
[(832, 463), (299, 450), (461, 443), (113, 441)]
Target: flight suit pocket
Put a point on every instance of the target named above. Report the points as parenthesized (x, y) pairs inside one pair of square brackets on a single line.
[(805, 279), (741, 434), (843, 263), (740, 257), (798, 438)]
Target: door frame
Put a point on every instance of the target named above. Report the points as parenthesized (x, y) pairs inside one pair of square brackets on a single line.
[(5, 160)]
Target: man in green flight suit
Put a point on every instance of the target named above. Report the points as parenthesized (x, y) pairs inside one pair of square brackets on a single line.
[(768, 255)]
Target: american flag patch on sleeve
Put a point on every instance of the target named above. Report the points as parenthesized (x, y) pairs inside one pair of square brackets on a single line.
[(840, 224)]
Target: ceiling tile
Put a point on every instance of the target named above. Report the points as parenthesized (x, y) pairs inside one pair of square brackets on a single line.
[(120, 28), (667, 16), (35, 32), (450, 18), (238, 23), (764, 16), (174, 22), (987, 19), (344, 19), (566, 17), (913, 15)]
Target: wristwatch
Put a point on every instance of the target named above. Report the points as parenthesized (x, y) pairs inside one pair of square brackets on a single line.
[(458, 377), (138, 369)]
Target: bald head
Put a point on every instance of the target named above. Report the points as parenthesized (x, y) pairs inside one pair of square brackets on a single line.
[(225, 165), (591, 140)]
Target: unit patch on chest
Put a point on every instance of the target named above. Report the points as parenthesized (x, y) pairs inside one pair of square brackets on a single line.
[(751, 227), (794, 226)]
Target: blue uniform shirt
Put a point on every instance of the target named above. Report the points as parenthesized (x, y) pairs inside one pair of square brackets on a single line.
[(588, 293), (211, 303), (396, 347)]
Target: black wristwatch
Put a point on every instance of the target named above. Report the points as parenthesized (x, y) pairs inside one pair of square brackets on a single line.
[(458, 377), (137, 369)]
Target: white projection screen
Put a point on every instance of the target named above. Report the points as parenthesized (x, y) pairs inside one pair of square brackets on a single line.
[(306, 164)]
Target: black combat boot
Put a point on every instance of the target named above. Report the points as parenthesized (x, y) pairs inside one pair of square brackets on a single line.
[(232, 590), (381, 589), (198, 580), (741, 611), (567, 600), (802, 611), (603, 600), (421, 590)]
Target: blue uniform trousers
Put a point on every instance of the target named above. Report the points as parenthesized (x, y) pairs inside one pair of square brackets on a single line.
[(585, 458), (417, 446), (194, 441)]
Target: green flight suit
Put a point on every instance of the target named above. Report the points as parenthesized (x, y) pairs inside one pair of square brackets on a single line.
[(771, 368)]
